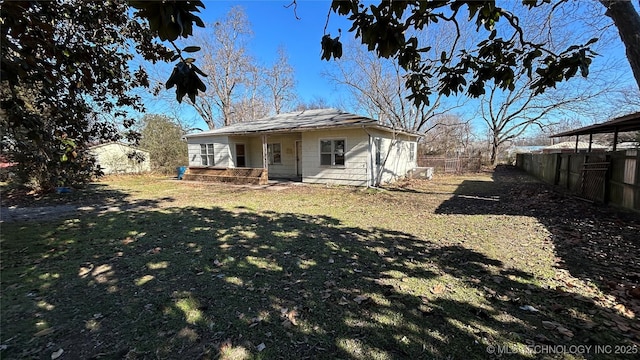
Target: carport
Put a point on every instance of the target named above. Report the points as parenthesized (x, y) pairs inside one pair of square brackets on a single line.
[(630, 122)]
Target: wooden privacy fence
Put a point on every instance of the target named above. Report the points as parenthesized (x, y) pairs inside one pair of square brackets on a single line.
[(612, 177)]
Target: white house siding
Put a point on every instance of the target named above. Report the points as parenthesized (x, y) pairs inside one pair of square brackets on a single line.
[(359, 168), (396, 159), (287, 167), (355, 170), (113, 159), (221, 152)]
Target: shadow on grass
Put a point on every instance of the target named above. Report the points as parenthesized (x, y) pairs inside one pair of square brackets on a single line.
[(598, 244), (216, 283)]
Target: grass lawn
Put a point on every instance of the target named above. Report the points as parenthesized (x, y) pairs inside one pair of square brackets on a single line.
[(459, 267)]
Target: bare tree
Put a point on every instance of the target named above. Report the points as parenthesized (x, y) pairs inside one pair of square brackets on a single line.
[(377, 88), (510, 112), (251, 104), (318, 102), (451, 136), (226, 60), (238, 87), (280, 82)]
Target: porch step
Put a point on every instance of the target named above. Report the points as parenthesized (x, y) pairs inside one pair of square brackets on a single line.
[(239, 176)]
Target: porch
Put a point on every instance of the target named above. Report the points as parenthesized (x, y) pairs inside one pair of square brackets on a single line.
[(238, 176)]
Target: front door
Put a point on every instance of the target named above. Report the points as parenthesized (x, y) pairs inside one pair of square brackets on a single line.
[(299, 158), (240, 156)]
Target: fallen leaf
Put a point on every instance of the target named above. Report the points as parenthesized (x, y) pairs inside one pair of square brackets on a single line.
[(343, 301), (529, 308), (564, 331), (261, 347), (291, 315), (360, 299), (437, 289), (549, 325), (56, 354)]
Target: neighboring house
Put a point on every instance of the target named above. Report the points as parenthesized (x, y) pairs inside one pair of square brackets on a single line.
[(119, 158), (313, 146), (530, 149), (570, 147)]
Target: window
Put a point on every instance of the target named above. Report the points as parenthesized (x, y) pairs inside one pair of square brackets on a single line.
[(332, 152), (378, 144), (274, 152), (412, 151), (206, 154)]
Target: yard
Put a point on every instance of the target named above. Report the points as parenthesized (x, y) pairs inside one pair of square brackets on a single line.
[(478, 266)]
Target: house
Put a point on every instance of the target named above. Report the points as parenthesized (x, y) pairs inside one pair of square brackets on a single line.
[(572, 147), (120, 158), (313, 146)]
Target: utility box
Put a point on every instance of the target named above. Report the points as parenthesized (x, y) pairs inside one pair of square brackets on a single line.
[(421, 173)]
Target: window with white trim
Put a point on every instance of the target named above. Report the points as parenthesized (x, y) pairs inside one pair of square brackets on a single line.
[(332, 152), (206, 154), (378, 145), (412, 151), (274, 153)]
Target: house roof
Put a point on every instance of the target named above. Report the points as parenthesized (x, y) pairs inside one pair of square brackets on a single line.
[(572, 145), (630, 122), (299, 121)]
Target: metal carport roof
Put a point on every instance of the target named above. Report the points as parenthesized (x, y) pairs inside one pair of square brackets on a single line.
[(630, 122)]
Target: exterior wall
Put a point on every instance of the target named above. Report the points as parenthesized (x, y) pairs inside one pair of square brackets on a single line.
[(254, 151), (287, 166), (225, 152), (221, 151), (359, 168), (396, 157), (113, 159), (357, 160)]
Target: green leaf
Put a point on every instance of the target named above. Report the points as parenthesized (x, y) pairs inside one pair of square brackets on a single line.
[(191, 49)]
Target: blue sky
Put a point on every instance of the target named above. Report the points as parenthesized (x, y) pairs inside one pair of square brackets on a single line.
[(274, 25)]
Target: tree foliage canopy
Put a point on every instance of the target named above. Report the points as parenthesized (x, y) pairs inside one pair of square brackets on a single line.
[(389, 29), (162, 137), (67, 79)]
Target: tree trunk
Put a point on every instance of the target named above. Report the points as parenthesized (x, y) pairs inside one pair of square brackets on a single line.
[(494, 153), (627, 20)]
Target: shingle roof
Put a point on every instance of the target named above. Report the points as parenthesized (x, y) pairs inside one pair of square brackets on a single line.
[(298, 121)]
